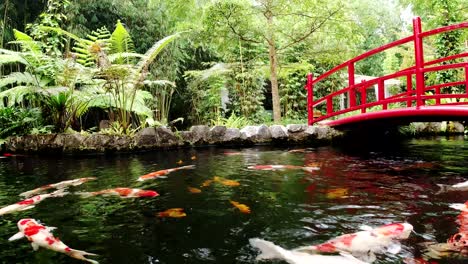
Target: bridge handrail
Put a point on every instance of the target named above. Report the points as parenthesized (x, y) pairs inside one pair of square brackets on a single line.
[(418, 70)]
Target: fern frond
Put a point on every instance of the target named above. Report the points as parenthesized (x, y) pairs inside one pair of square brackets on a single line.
[(27, 43), (121, 55), (12, 58), (159, 82), (66, 33), (18, 78), (16, 94), (121, 42)]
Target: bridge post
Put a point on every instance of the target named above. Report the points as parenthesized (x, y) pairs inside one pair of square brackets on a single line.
[(419, 59), (310, 98), (352, 92)]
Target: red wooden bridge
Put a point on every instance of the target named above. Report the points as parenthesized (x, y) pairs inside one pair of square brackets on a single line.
[(418, 102)]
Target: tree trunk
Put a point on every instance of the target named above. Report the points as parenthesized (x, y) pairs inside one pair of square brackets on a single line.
[(273, 70)]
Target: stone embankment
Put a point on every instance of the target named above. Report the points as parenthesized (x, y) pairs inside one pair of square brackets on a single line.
[(161, 137)]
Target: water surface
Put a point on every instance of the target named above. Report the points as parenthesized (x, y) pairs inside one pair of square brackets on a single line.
[(355, 186)]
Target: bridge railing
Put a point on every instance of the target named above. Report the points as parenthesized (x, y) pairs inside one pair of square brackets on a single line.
[(413, 96)]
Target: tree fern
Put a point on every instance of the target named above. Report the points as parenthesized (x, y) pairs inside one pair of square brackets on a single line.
[(121, 42)]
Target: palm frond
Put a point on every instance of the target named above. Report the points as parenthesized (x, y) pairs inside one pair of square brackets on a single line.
[(150, 55)]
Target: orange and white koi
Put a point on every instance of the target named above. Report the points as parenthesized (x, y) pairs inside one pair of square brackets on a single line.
[(226, 182), (161, 173), (173, 212), (242, 207), (122, 192), (282, 167), (371, 240), (272, 251), (59, 185), (41, 236), (30, 202)]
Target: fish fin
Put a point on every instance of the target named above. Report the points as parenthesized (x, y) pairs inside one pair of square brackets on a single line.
[(307, 249), (310, 169), (459, 206), (394, 248), (187, 167), (442, 188), (364, 258), (59, 193), (51, 228), (366, 228), (78, 254), (162, 177), (16, 236), (34, 246), (27, 208), (268, 250), (84, 194)]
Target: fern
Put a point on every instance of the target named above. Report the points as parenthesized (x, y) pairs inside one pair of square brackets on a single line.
[(11, 59), (121, 42), (16, 95), (27, 43), (17, 78)]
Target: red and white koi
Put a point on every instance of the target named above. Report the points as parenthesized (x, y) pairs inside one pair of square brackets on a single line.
[(41, 236), (122, 192), (462, 186), (161, 173), (282, 167), (30, 202), (272, 251), (370, 240), (59, 185)]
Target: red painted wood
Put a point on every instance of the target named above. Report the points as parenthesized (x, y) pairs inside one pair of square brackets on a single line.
[(416, 103)]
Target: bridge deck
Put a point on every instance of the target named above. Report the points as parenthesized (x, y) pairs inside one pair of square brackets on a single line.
[(403, 116)]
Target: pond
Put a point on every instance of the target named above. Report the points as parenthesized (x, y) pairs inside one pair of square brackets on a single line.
[(355, 186)]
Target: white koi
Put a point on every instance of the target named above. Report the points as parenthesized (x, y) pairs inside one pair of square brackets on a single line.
[(272, 251), (41, 236), (462, 186), (30, 202), (59, 185)]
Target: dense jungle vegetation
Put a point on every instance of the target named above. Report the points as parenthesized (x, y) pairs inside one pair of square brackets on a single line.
[(69, 66)]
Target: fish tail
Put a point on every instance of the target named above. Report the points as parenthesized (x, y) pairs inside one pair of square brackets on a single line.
[(310, 169), (458, 206), (443, 188), (78, 254), (268, 250)]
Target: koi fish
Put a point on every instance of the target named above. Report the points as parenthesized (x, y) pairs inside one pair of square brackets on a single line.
[(242, 207), (337, 193), (41, 236), (194, 190), (226, 182), (462, 186), (460, 206), (160, 173), (122, 192), (272, 251), (180, 162), (366, 242), (173, 212), (207, 183), (297, 150), (232, 153), (30, 202), (59, 185), (193, 157), (282, 167)]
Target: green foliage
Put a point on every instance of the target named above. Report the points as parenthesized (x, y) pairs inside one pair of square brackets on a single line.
[(232, 122), (18, 121)]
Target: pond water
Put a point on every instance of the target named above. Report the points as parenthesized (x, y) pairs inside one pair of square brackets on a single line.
[(292, 208)]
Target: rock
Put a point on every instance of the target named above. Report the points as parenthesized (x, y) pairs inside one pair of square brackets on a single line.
[(166, 138), (427, 127), (232, 135), (256, 134), (200, 134), (186, 137), (97, 142), (71, 142), (296, 128), (278, 132), (217, 134), (456, 128), (146, 138), (104, 124)]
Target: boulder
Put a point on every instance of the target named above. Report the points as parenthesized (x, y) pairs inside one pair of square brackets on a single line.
[(296, 128), (456, 128), (232, 135), (216, 135), (278, 132), (200, 134), (256, 134), (165, 137), (146, 138)]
